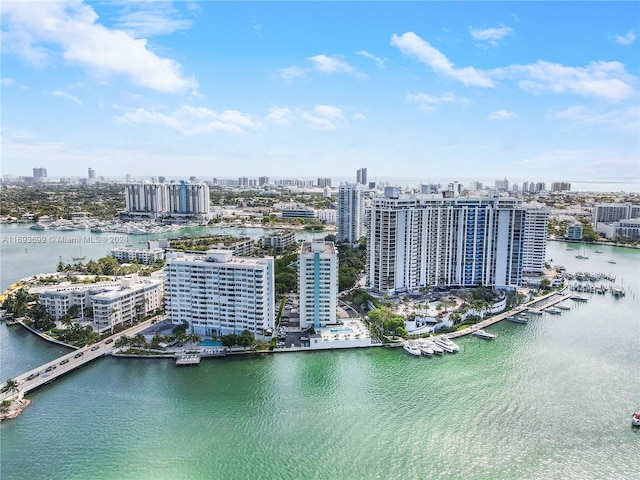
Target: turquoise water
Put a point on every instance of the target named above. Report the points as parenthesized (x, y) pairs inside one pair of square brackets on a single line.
[(209, 343), (548, 400)]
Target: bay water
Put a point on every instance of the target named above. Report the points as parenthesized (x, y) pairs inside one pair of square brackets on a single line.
[(547, 400)]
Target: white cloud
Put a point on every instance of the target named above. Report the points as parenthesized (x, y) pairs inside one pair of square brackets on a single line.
[(501, 115), (190, 120), (379, 61), (327, 64), (291, 73), (608, 80), (428, 102), (10, 82), (626, 39), (412, 45), (622, 119), (40, 31), (194, 120), (147, 19), (490, 35), (66, 96)]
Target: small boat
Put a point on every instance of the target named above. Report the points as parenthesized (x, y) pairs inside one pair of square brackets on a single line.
[(563, 307), (486, 335), (437, 350), (579, 298), (412, 349), (97, 230), (635, 419), (553, 310), (38, 226), (612, 261), (425, 349), (534, 312), (447, 344), (517, 319), (598, 251), (78, 257), (582, 257)]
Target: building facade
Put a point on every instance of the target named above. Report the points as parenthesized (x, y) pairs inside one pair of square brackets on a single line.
[(219, 294), (415, 241), (184, 200), (139, 255), (279, 240), (350, 213), (534, 246), (318, 284)]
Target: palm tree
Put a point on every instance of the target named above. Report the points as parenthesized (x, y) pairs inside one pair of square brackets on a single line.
[(10, 385)]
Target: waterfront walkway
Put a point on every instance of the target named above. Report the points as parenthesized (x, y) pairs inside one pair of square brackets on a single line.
[(55, 369), (537, 304)]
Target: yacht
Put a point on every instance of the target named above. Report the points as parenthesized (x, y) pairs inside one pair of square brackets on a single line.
[(579, 298), (518, 319), (611, 261), (534, 312), (412, 349), (425, 349), (563, 307), (436, 349), (38, 226), (553, 310), (486, 335), (447, 344)]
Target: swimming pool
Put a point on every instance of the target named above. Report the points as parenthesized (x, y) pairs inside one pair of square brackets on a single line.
[(341, 330), (209, 343)]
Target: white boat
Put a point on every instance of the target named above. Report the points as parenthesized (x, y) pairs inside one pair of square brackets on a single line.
[(563, 307), (612, 261), (424, 347), (535, 312), (483, 334), (412, 349), (518, 319), (553, 310), (436, 349), (38, 226), (447, 344), (579, 298), (635, 419)]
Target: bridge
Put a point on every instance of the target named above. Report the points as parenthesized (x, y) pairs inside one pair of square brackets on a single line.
[(53, 370)]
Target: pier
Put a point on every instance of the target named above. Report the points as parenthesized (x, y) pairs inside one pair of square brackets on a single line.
[(53, 370)]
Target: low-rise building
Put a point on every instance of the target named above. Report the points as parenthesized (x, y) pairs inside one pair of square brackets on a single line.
[(140, 255), (279, 240)]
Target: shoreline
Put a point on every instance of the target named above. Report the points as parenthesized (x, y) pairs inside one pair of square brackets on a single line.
[(15, 409)]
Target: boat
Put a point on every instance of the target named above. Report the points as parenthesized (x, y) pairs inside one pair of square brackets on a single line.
[(38, 226), (437, 350), (612, 261), (66, 228), (97, 230), (579, 298), (598, 251), (518, 319), (535, 312), (582, 257), (78, 257), (483, 334), (563, 307), (553, 310), (425, 349), (635, 419), (412, 349), (447, 344), (618, 291)]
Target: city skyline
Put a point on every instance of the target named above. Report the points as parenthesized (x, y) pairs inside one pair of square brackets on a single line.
[(424, 90)]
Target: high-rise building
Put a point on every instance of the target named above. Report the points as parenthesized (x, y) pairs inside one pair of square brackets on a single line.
[(415, 241), (318, 283), (560, 187), (91, 173), (177, 200), (534, 246), (350, 213), (218, 294), (361, 176), (502, 185), (39, 174), (613, 212), (263, 181), (324, 182)]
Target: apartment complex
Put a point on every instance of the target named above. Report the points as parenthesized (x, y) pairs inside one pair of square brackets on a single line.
[(318, 284), (534, 245), (416, 241), (113, 303), (146, 256), (167, 201), (350, 213), (279, 240), (614, 212), (218, 294)]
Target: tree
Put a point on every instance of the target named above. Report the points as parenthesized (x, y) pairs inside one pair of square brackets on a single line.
[(245, 339), (229, 340), (10, 385), (545, 284)]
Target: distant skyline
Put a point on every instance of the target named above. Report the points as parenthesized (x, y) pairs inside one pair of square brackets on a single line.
[(536, 91)]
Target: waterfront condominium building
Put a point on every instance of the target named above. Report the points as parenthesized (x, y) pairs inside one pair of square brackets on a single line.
[(350, 213), (219, 294), (613, 212), (279, 240), (415, 241), (318, 284), (167, 200), (534, 245)]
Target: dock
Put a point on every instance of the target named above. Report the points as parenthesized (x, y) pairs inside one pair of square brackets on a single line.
[(191, 359)]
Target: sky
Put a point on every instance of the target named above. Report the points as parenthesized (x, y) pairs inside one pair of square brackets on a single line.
[(535, 91)]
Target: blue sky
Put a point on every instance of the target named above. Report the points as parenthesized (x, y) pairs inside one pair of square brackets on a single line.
[(538, 91)]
